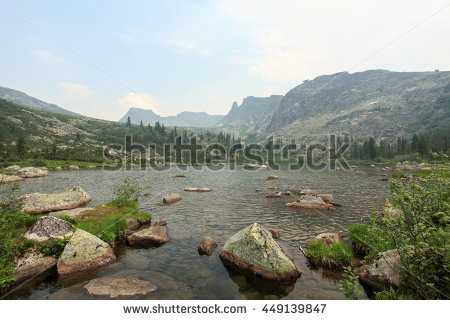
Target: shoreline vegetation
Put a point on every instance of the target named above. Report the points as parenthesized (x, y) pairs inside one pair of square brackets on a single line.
[(403, 252)]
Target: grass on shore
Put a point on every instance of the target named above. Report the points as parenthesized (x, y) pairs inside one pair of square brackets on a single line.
[(51, 164), (108, 221), (333, 255)]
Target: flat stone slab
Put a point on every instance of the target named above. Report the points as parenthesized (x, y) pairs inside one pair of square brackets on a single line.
[(84, 252), (47, 227), (31, 172), (117, 288), (70, 212), (36, 203), (4, 178), (150, 237)]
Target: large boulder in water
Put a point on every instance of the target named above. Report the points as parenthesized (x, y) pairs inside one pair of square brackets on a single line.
[(150, 237), (30, 172), (49, 227), (255, 253), (119, 288), (383, 272), (84, 252), (36, 203)]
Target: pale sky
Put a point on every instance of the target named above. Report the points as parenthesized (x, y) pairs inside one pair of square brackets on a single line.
[(100, 58)]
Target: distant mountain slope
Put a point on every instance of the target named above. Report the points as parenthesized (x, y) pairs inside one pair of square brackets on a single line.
[(183, 119), (252, 112), (42, 128), (23, 99), (376, 103)]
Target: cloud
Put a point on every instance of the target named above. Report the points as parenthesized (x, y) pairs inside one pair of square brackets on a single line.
[(290, 41), (140, 100), (191, 47), (46, 55), (75, 90)]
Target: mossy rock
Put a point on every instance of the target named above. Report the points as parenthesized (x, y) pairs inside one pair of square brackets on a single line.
[(84, 252), (254, 252)]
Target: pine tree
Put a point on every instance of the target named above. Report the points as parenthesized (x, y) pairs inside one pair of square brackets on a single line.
[(372, 149), (21, 145), (129, 122)]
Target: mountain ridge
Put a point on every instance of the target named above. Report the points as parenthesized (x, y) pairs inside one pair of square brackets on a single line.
[(182, 119), (21, 98)]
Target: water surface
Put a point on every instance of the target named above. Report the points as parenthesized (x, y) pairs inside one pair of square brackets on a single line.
[(237, 200)]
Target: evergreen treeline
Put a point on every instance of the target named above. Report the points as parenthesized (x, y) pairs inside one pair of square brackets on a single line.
[(418, 144)]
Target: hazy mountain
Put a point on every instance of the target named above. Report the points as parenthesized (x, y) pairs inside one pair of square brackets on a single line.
[(183, 119), (375, 103), (252, 112), (23, 99)]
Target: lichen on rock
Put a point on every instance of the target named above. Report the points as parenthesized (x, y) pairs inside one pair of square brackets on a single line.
[(253, 251)]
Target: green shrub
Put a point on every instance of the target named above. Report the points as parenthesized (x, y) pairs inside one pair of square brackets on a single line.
[(127, 190), (350, 284), (53, 247), (420, 230), (392, 294)]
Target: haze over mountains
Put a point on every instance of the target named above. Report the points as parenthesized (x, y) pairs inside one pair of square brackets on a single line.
[(23, 99), (376, 103), (183, 119)]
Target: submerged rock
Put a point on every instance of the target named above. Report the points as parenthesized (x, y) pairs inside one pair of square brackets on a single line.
[(32, 264), (359, 172), (383, 272), (255, 166), (47, 227), (160, 223), (180, 175), (207, 246), (255, 253), (153, 236), (35, 203), (114, 288), (84, 252), (171, 197), (197, 189), (30, 172), (272, 177), (310, 202)]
